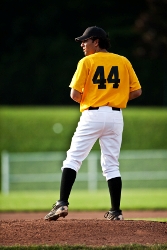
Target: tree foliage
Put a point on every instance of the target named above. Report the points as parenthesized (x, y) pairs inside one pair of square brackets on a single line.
[(152, 29)]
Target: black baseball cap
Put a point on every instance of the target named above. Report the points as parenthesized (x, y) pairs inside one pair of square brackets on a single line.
[(93, 31)]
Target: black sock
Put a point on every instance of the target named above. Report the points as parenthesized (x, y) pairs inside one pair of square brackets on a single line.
[(67, 181), (115, 187)]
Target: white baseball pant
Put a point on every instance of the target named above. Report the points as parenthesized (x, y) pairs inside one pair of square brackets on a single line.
[(104, 124)]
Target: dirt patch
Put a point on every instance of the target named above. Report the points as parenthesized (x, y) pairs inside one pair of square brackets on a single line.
[(90, 229)]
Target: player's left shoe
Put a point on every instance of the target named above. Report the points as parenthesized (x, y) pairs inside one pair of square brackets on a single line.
[(114, 215), (60, 209)]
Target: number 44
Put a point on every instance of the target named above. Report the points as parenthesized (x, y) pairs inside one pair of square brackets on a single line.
[(113, 77)]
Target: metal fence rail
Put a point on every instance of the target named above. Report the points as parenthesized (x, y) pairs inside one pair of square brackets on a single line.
[(24, 174)]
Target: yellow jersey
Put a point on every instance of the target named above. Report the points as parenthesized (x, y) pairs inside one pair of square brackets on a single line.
[(104, 79)]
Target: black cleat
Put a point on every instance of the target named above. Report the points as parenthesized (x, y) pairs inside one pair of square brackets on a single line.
[(60, 209), (114, 215)]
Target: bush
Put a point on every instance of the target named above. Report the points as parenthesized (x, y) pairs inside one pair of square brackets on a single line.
[(30, 129)]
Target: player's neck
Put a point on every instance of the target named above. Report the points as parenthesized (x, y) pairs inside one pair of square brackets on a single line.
[(100, 50)]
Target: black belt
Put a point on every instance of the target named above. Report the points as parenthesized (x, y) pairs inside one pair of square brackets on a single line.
[(93, 108)]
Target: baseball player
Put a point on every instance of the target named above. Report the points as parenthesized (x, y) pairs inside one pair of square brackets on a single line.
[(103, 83)]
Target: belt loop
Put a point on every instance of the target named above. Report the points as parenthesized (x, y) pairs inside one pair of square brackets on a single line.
[(93, 108), (117, 109), (96, 108)]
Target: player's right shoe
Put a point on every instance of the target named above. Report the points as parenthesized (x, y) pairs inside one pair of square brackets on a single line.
[(59, 209), (114, 215)]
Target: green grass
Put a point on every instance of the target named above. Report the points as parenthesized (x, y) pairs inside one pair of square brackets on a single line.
[(143, 128), (136, 172), (136, 199), (29, 129), (32, 129)]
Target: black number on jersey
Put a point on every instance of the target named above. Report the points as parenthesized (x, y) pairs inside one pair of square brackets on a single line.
[(98, 78), (113, 77)]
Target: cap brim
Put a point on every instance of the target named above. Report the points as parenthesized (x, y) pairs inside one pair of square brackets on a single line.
[(81, 38)]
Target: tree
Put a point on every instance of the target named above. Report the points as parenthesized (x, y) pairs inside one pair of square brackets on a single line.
[(151, 26)]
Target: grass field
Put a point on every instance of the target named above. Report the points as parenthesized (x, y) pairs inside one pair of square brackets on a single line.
[(136, 199), (42, 171), (43, 129), (30, 129)]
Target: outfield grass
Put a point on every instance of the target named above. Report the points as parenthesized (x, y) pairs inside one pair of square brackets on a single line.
[(30, 129), (139, 169), (136, 199)]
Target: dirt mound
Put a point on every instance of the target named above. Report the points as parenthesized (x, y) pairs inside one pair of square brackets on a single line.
[(89, 232)]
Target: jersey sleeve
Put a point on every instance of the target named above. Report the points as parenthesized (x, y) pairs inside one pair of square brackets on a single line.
[(79, 78), (133, 79)]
